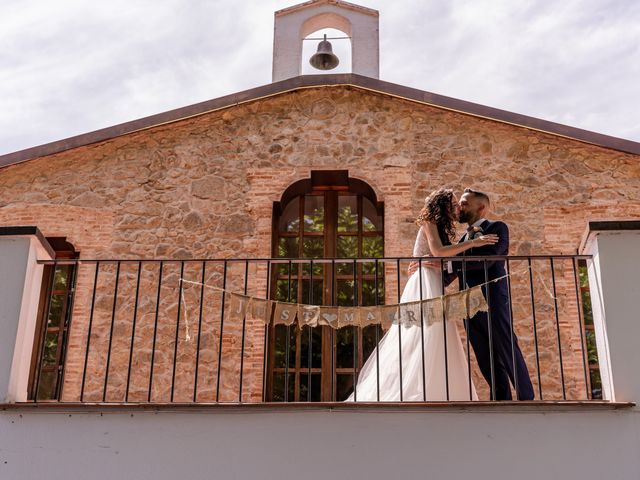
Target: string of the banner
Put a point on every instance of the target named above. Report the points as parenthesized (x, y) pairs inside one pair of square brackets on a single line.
[(187, 337), (183, 300), (495, 280)]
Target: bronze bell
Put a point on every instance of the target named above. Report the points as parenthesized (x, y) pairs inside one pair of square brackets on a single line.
[(324, 58)]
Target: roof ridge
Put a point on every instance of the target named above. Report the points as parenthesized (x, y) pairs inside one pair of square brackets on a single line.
[(318, 81)]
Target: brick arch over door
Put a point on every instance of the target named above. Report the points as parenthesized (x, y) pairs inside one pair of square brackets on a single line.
[(327, 216)]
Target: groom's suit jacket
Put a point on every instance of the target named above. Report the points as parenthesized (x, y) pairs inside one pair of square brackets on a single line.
[(475, 270)]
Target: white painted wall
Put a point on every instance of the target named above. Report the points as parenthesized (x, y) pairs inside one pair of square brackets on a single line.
[(21, 279), (441, 444), (614, 277)]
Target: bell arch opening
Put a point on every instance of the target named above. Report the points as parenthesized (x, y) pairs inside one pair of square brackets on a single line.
[(338, 30)]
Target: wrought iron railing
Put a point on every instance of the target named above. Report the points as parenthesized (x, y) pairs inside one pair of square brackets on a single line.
[(160, 331)]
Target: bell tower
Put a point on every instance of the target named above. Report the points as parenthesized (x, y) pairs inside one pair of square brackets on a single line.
[(295, 23)]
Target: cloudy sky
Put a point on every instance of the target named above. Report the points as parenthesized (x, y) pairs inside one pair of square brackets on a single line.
[(72, 66)]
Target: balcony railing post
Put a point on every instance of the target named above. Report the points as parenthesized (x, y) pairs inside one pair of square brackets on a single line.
[(535, 327), (444, 335), (398, 326), (68, 323), (155, 331), (555, 305), (86, 351), (224, 286), (585, 364), (490, 329), (265, 362), (244, 325), (355, 332), (310, 334), (424, 370), (287, 341), (176, 339), (377, 337), (133, 332), (197, 366), (511, 332)]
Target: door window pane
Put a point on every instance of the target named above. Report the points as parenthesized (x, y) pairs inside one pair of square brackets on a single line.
[(50, 349), (279, 385), (46, 389), (344, 386), (282, 270), (316, 299), (315, 387), (371, 221), (287, 291), (372, 247), (290, 218), (316, 347), (288, 247), (281, 347), (347, 213), (345, 293), (55, 310), (596, 384), (314, 213), (313, 247), (344, 347), (347, 247), (369, 292), (61, 278), (369, 339)]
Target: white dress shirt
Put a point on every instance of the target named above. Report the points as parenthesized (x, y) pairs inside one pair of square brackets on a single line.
[(464, 239)]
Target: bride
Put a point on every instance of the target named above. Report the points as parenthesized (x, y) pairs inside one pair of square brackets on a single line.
[(429, 382)]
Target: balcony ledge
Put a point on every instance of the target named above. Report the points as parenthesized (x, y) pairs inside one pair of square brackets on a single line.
[(481, 406)]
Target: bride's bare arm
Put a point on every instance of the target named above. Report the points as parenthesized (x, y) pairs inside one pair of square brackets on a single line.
[(437, 249)]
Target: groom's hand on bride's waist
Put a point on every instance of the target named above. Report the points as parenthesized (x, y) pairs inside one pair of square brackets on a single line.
[(413, 266)]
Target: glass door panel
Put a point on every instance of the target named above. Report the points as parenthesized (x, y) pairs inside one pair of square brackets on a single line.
[(322, 363)]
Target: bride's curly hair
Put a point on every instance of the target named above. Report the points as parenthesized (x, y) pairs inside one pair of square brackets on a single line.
[(438, 209)]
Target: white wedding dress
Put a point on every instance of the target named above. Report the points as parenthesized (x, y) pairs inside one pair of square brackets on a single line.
[(386, 370)]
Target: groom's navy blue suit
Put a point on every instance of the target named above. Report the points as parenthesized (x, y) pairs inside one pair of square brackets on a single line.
[(504, 343)]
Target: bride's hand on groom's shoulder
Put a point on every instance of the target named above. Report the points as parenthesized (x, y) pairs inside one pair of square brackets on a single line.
[(488, 239)]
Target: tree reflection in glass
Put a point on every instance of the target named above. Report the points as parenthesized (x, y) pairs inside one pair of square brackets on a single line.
[(347, 213), (314, 213)]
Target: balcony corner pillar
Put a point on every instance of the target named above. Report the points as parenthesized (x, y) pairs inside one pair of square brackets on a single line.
[(614, 282), (21, 281)]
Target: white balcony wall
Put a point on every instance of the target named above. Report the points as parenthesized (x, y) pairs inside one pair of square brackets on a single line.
[(495, 443)]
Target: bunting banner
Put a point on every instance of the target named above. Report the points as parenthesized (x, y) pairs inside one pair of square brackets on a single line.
[(454, 306), (450, 307)]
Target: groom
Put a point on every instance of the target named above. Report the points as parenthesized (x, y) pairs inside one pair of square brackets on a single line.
[(494, 325)]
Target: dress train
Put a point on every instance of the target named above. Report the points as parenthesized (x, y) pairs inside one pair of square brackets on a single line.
[(381, 371)]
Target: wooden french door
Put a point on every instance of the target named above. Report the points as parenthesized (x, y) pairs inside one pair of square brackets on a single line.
[(324, 219), (52, 327)]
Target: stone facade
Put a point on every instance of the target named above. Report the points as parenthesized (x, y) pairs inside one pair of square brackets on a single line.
[(204, 188)]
